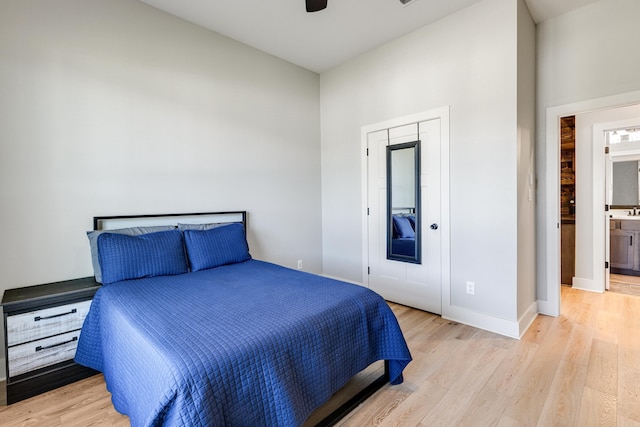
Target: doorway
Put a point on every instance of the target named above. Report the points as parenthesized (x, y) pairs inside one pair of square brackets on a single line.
[(567, 199), (548, 290), (622, 195)]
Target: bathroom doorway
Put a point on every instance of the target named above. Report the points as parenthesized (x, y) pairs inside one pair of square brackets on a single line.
[(622, 196)]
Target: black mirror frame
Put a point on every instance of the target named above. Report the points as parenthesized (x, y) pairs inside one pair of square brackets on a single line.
[(417, 258)]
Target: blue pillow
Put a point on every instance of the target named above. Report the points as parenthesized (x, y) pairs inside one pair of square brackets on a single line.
[(124, 257), (217, 246), (131, 231), (403, 227)]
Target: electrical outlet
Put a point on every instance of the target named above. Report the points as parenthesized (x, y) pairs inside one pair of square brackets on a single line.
[(471, 288), (299, 264)]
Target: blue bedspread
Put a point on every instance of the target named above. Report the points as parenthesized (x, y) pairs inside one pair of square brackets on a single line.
[(248, 344)]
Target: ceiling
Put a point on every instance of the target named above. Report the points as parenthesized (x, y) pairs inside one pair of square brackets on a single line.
[(322, 40)]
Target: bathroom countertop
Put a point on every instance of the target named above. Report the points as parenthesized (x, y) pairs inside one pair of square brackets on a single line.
[(626, 217)]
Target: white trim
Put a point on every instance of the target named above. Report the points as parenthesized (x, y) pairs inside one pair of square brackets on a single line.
[(586, 284), (494, 324), (551, 220), (353, 282), (527, 318), (598, 200), (437, 113)]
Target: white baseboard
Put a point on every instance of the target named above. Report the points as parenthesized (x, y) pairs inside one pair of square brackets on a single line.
[(546, 308), (528, 317), (584, 284), (343, 280), (508, 328), (497, 325)]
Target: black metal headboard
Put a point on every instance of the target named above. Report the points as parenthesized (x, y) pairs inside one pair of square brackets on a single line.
[(123, 221)]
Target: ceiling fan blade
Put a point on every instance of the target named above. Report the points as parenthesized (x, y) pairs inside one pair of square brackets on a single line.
[(316, 5)]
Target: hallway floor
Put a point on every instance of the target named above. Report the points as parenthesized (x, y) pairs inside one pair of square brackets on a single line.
[(629, 285)]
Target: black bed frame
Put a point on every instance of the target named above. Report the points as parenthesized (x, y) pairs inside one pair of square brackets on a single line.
[(356, 400), (345, 408)]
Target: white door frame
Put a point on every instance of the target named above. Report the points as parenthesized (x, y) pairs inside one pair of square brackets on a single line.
[(438, 113), (551, 216)]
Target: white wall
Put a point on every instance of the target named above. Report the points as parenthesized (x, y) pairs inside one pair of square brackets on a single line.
[(578, 62), (467, 61), (113, 107)]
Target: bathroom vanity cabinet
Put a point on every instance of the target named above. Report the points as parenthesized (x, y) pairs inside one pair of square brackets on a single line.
[(625, 246)]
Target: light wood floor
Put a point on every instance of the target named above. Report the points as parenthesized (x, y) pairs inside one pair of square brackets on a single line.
[(579, 369), (624, 284)]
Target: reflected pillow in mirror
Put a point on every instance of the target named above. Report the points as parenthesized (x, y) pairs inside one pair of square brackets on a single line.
[(403, 227), (412, 221)]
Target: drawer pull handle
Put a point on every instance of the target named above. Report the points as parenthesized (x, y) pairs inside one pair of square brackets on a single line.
[(38, 318), (40, 348)]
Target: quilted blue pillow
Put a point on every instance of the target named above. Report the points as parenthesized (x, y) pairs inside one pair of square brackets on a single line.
[(125, 257), (131, 231), (403, 227), (211, 248)]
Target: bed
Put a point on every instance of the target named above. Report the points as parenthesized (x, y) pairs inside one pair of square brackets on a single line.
[(189, 330)]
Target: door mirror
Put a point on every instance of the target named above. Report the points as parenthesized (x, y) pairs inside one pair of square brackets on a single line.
[(625, 177), (403, 202)]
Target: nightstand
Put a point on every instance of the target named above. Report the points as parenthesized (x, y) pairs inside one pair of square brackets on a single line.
[(41, 326)]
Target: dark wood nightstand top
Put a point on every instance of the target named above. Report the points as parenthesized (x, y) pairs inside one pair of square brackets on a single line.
[(19, 299)]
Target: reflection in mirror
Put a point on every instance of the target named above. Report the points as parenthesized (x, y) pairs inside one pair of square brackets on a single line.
[(403, 202), (625, 177)]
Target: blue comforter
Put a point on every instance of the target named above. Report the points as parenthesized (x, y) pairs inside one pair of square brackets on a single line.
[(248, 344)]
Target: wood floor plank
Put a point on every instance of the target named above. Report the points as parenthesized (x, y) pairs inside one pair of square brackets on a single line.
[(528, 400), (578, 348), (629, 347), (507, 378), (626, 422), (379, 407), (602, 374), (562, 404), (472, 376), (597, 409), (485, 409), (506, 421), (629, 392), (416, 406)]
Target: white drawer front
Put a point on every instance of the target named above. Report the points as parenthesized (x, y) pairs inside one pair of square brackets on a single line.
[(38, 354), (22, 328)]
